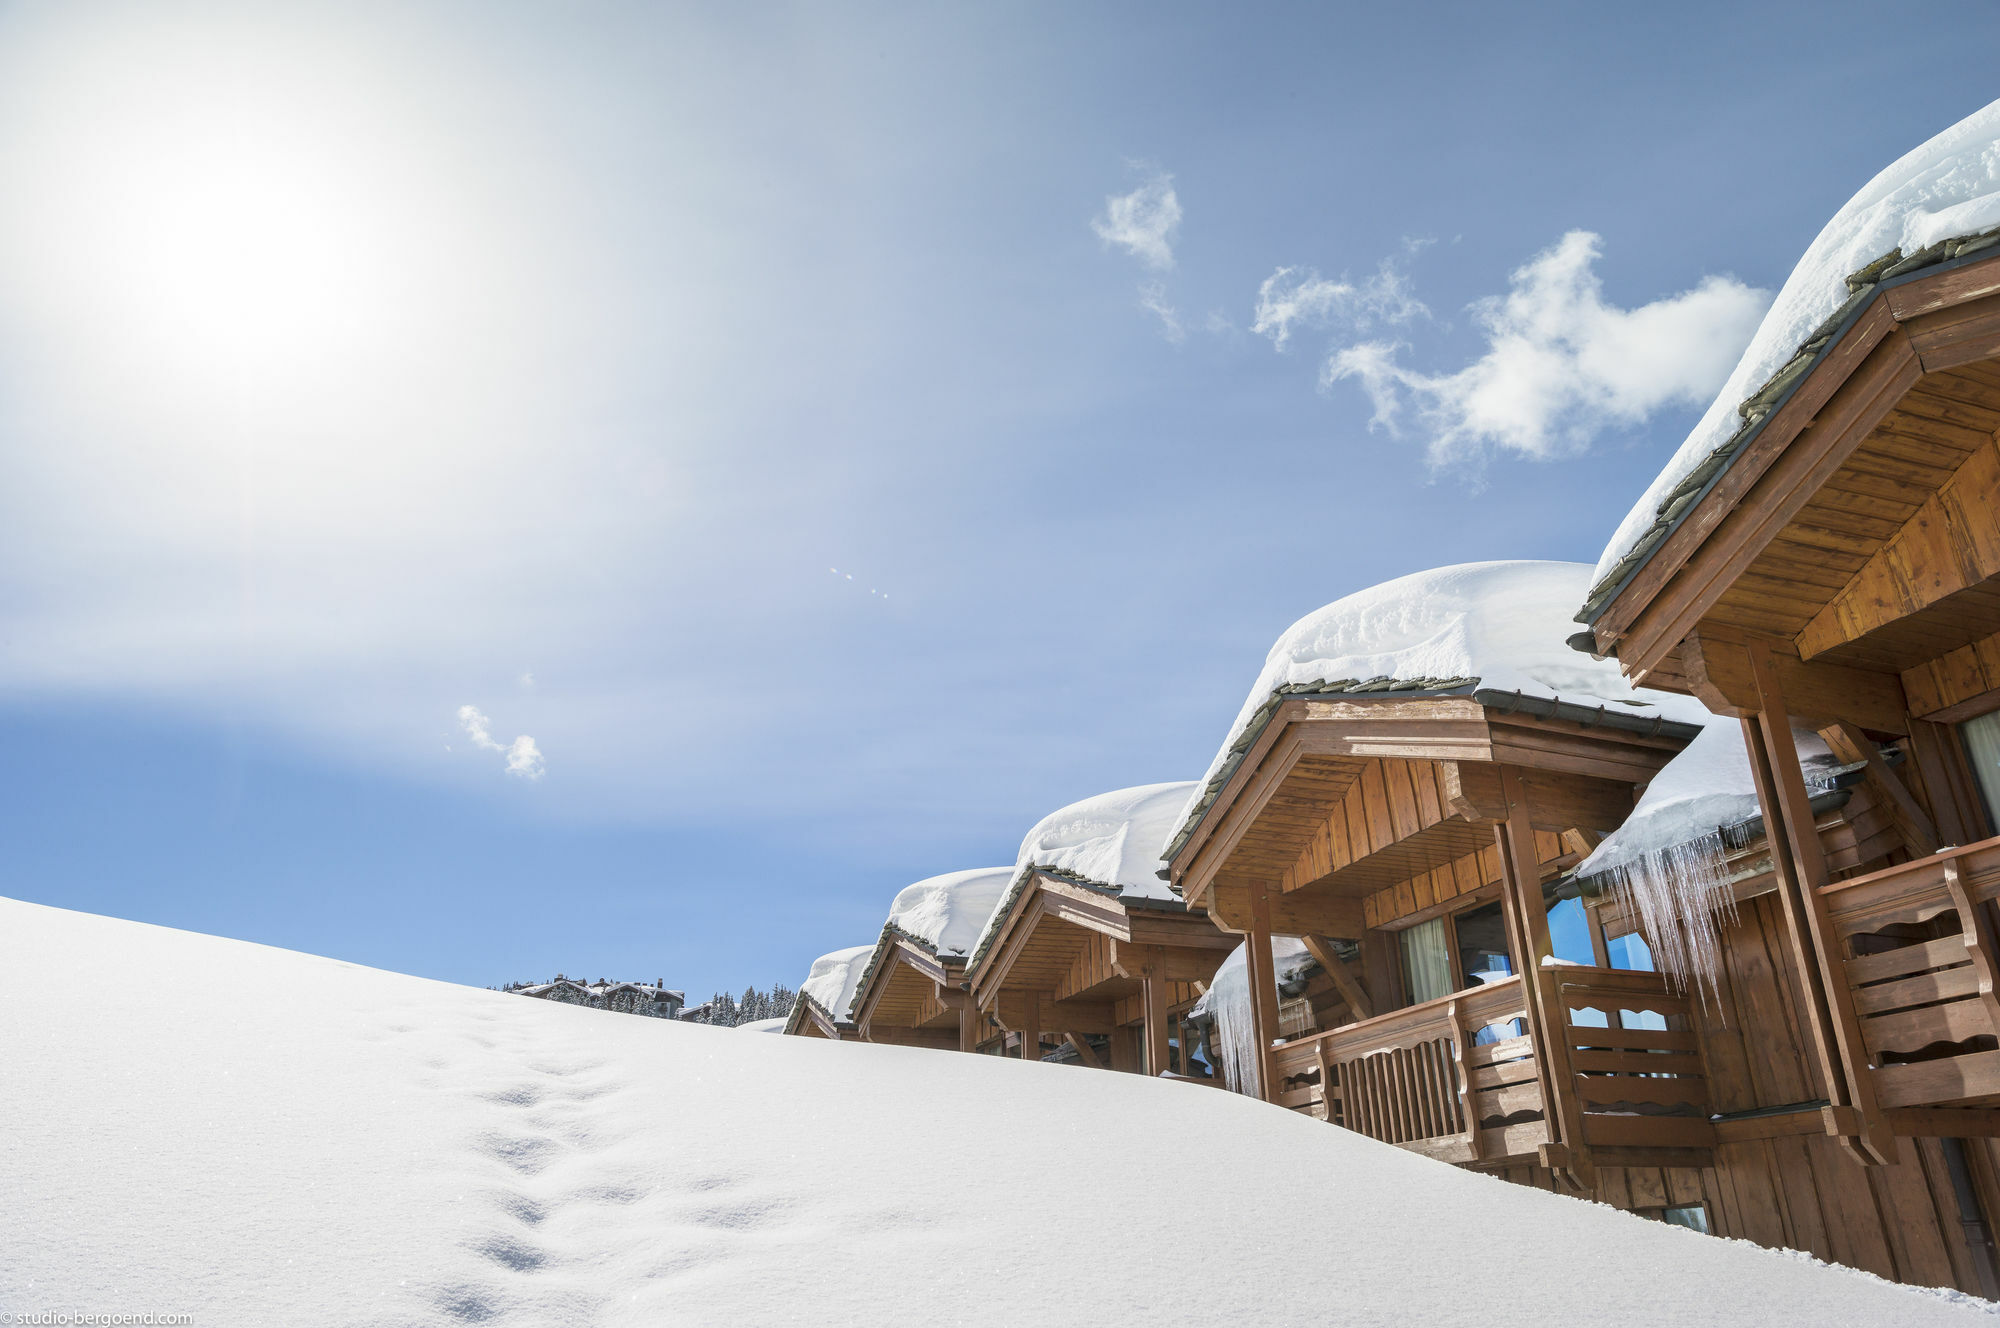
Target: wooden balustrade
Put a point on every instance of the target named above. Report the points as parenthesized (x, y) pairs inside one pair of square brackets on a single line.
[(1636, 1064), (1422, 1079), (1916, 943)]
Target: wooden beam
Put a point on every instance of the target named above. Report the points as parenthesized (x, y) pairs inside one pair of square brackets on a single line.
[(1031, 1026), (1344, 978), (1848, 745), (1944, 1122), (1747, 524), (1721, 676), (1293, 914), (1083, 1051), (1735, 484), (1800, 864), (1263, 977)]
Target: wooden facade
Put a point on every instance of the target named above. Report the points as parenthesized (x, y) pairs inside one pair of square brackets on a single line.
[(1108, 976), (1842, 570), (1352, 820)]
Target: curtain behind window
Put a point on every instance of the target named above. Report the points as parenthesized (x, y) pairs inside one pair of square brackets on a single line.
[(1427, 961), (1982, 748)]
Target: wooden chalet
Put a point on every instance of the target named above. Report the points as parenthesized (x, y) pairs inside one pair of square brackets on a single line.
[(1089, 949), (912, 991), (825, 1005), (1412, 829), (1836, 567)]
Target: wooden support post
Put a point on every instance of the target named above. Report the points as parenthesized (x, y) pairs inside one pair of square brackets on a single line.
[(1125, 1050), (1153, 989), (971, 1023), (1382, 969), (1031, 1027), (1345, 978), (1468, 1101), (1263, 986), (1083, 1051), (1799, 862), (1566, 1154)]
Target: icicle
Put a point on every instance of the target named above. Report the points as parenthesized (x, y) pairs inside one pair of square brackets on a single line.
[(1235, 1038), (1678, 894)]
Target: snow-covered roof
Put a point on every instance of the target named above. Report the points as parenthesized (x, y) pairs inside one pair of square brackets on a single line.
[(1706, 788), (1113, 840), (1937, 203), (832, 982), (765, 1025), (1476, 628), (946, 913)]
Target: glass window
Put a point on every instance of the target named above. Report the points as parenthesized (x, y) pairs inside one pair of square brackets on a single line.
[(1982, 749), (1692, 1216), (1569, 932), (1482, 946), (1631, 953), (1427, 961)]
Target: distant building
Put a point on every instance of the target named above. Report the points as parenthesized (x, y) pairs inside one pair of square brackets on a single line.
[(655, 1001)]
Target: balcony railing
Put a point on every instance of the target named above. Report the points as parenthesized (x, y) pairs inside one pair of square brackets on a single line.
[(1916, 942), (1461, 1078)]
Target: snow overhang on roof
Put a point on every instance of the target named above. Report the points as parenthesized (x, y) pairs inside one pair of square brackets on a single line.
[(1936, 207), (831, 984), (941, 915), (1112, 843), (1496, 632)]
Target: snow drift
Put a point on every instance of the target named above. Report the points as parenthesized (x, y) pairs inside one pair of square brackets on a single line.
[(258, 1137)]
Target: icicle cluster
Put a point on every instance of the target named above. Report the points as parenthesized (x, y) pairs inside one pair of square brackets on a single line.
[(1235, 1037), (1681, 896)]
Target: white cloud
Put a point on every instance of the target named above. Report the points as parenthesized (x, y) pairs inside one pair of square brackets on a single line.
[(524, 759), (1143, 222), (1560, 364), (1299, 296), (1153, 299)]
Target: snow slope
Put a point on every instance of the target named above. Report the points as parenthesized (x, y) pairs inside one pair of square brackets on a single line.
[(258, 1137)]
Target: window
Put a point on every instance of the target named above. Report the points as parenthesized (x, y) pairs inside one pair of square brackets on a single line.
[(1982, 748), (1482, 945), (1692, 1216), (1631, 953)]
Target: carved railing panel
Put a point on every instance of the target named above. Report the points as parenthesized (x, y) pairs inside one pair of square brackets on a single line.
[(1916, 944)]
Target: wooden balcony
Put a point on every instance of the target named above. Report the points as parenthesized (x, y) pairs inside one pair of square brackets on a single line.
[(1916, 944), (1422, 1079)]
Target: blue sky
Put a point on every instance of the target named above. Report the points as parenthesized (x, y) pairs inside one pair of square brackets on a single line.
[(362, 363)]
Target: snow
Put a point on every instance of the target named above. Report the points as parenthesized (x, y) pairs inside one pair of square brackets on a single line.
[(1501, 625), (834, 977), (764, 1025), (1947, 188), (262, 1137), (947, 912), (1114, 839)]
